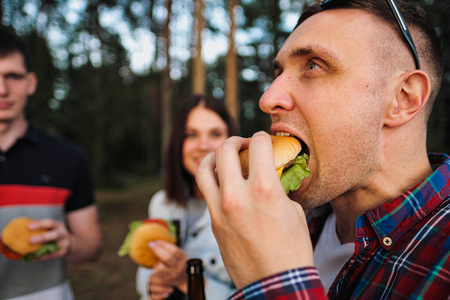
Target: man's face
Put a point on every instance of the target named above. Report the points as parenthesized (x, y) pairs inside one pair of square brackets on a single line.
[(16, 84), (328, 94)]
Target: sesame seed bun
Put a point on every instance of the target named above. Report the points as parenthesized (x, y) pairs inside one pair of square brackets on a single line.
[(140, 252)]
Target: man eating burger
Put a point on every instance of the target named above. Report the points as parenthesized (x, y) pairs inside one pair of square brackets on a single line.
[(356, 86)]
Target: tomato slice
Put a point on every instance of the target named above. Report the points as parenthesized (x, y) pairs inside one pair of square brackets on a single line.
[(9, 253), (160, 221)]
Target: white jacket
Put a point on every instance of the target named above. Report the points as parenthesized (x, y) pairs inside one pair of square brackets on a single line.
[(197, 241)]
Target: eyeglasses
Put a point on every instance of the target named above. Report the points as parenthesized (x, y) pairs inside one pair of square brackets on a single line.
[(400, 22)]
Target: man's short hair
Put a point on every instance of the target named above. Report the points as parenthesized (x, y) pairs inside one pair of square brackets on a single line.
[(10, 43), (424, 35)]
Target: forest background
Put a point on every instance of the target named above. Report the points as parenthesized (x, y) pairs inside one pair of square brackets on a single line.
[(113, 72)]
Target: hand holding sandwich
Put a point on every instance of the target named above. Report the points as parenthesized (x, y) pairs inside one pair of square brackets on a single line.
[(28, 239), (151, 244), (54, 231), (252, 217)]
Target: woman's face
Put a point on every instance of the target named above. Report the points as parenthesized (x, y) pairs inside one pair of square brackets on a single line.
[(205, 131)]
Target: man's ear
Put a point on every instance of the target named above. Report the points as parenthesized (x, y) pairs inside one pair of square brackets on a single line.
[(412, 94), (32, 83)]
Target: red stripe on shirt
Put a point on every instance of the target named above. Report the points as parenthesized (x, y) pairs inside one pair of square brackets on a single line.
[(21, 195)]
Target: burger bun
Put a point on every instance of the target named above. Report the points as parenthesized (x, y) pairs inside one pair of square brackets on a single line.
[(16, 236), (285, 149), (139, 250)]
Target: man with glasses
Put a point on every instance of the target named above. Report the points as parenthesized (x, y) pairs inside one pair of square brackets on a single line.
[(355, 87), (43, 178)]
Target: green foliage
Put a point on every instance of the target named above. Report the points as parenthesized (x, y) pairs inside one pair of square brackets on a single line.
[(89, 94), (39, 106)]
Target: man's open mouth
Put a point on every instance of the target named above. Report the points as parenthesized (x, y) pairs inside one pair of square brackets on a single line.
[(305, 148)]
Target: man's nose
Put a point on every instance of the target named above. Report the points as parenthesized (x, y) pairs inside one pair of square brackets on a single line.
[(279, 96)]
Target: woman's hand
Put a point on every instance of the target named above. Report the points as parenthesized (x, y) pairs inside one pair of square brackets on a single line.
[(170, 270), (157, 289)]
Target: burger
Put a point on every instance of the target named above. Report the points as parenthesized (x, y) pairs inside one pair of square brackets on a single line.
[(290, 163), (140, 234), (15, 241)]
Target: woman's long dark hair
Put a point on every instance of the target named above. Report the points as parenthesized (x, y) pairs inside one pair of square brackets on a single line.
[(178, 183)]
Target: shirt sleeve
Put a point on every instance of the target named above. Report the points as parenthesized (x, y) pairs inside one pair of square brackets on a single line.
[(302, 283), (142, 280), (83, 188)]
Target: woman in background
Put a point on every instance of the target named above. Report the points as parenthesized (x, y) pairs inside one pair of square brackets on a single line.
[(200, 126)]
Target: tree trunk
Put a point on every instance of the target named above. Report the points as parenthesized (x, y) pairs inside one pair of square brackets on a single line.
[(198, 68), (155, 96), (166, 89), (231, 76)]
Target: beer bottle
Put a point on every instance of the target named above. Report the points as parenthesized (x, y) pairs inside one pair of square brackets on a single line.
[(195, 283)]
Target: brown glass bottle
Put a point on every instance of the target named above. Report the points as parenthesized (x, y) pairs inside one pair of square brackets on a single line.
[(195, 283)]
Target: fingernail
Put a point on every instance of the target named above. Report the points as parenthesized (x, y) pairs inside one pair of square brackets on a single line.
[(151, 244)]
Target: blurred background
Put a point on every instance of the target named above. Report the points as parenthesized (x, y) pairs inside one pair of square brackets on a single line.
[(113, 72)]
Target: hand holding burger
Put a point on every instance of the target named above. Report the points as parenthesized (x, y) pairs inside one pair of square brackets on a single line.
[(140, 235), (167, 260), (291, 165), (243, 210), (15, 241)]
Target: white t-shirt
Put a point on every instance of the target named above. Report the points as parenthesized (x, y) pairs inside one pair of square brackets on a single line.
[(329, 254)]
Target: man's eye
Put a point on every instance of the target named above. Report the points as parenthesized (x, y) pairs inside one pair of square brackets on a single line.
[(14, 76), (312, 66)]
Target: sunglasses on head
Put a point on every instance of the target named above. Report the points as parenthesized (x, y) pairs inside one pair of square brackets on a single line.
[(400, 22)]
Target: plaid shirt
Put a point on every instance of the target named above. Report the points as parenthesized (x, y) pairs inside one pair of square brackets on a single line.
[(402, 250)]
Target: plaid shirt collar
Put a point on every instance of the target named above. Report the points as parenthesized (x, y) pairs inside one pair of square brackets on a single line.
[(391, 220), (388, 222)]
